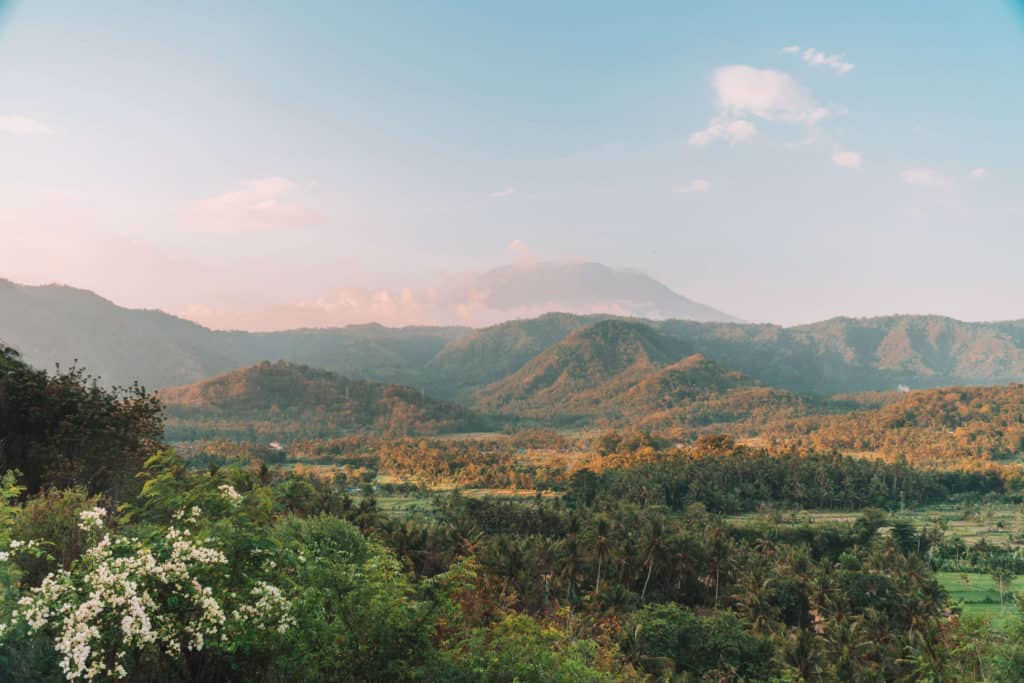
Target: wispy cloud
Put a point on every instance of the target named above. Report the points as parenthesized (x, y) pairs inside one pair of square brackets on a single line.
[(503, 192), (699, 185), (925, 177), (263, 204), (818, 58), (731, 131), (23, 126), (847, 159), (978, 173)]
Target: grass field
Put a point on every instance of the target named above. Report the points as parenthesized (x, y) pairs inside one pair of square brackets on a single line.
[(998, 523), (979, 597), (422, 505)]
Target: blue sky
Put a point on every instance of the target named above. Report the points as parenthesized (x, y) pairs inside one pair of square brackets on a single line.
[(212, 157)]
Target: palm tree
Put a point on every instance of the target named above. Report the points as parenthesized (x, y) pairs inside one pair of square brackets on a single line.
[(600, 545), (651, 543)]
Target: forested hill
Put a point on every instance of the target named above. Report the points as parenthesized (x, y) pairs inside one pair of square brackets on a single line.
[(617, 372), (55, 324), (493, 353), (865, 354), (282, 401), (576, 375)]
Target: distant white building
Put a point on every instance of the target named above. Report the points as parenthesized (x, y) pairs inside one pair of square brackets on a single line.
[(903, 388)]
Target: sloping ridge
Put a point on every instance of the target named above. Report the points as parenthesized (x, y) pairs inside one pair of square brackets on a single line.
[(492, 353), (685, 379), (586, 368)]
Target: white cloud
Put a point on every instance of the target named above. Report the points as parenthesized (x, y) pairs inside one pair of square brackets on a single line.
[(266, 203), (698, 185), (978, 173), (925, 177), (847, 159), (744, 92), (23, 125), (765, 94), (819, 58), (502, 193)]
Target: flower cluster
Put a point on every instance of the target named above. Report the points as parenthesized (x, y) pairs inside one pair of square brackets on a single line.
[(124, 596), (270, 611), (17, 546), (90, 520)]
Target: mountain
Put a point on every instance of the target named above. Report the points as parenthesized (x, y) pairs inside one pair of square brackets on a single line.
[(583, 371), (530, 289), (282, 400), (516, 291), (57, 324)]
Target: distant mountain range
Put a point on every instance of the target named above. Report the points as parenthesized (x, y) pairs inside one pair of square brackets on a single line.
[(57, 324), (525, 363)]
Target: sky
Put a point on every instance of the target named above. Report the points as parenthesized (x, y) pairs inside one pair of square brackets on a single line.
[(784, 162)]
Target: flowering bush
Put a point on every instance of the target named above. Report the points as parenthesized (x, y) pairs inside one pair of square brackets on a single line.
[(127, 604)]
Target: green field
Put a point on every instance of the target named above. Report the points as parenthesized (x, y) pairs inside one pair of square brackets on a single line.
[(979, 597)]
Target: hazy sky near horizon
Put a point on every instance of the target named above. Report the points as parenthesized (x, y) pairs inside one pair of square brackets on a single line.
[(783, 162)]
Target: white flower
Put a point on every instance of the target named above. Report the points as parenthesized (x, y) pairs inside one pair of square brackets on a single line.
[(229, 492)]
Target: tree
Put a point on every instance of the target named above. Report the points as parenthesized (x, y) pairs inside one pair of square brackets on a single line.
[(65, 429)]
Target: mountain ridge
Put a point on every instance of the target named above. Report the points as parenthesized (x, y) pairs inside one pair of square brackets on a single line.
[(59, 324)]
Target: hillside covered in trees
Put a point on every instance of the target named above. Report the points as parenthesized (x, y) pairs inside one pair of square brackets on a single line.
[(286, 401), (947, 426)]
